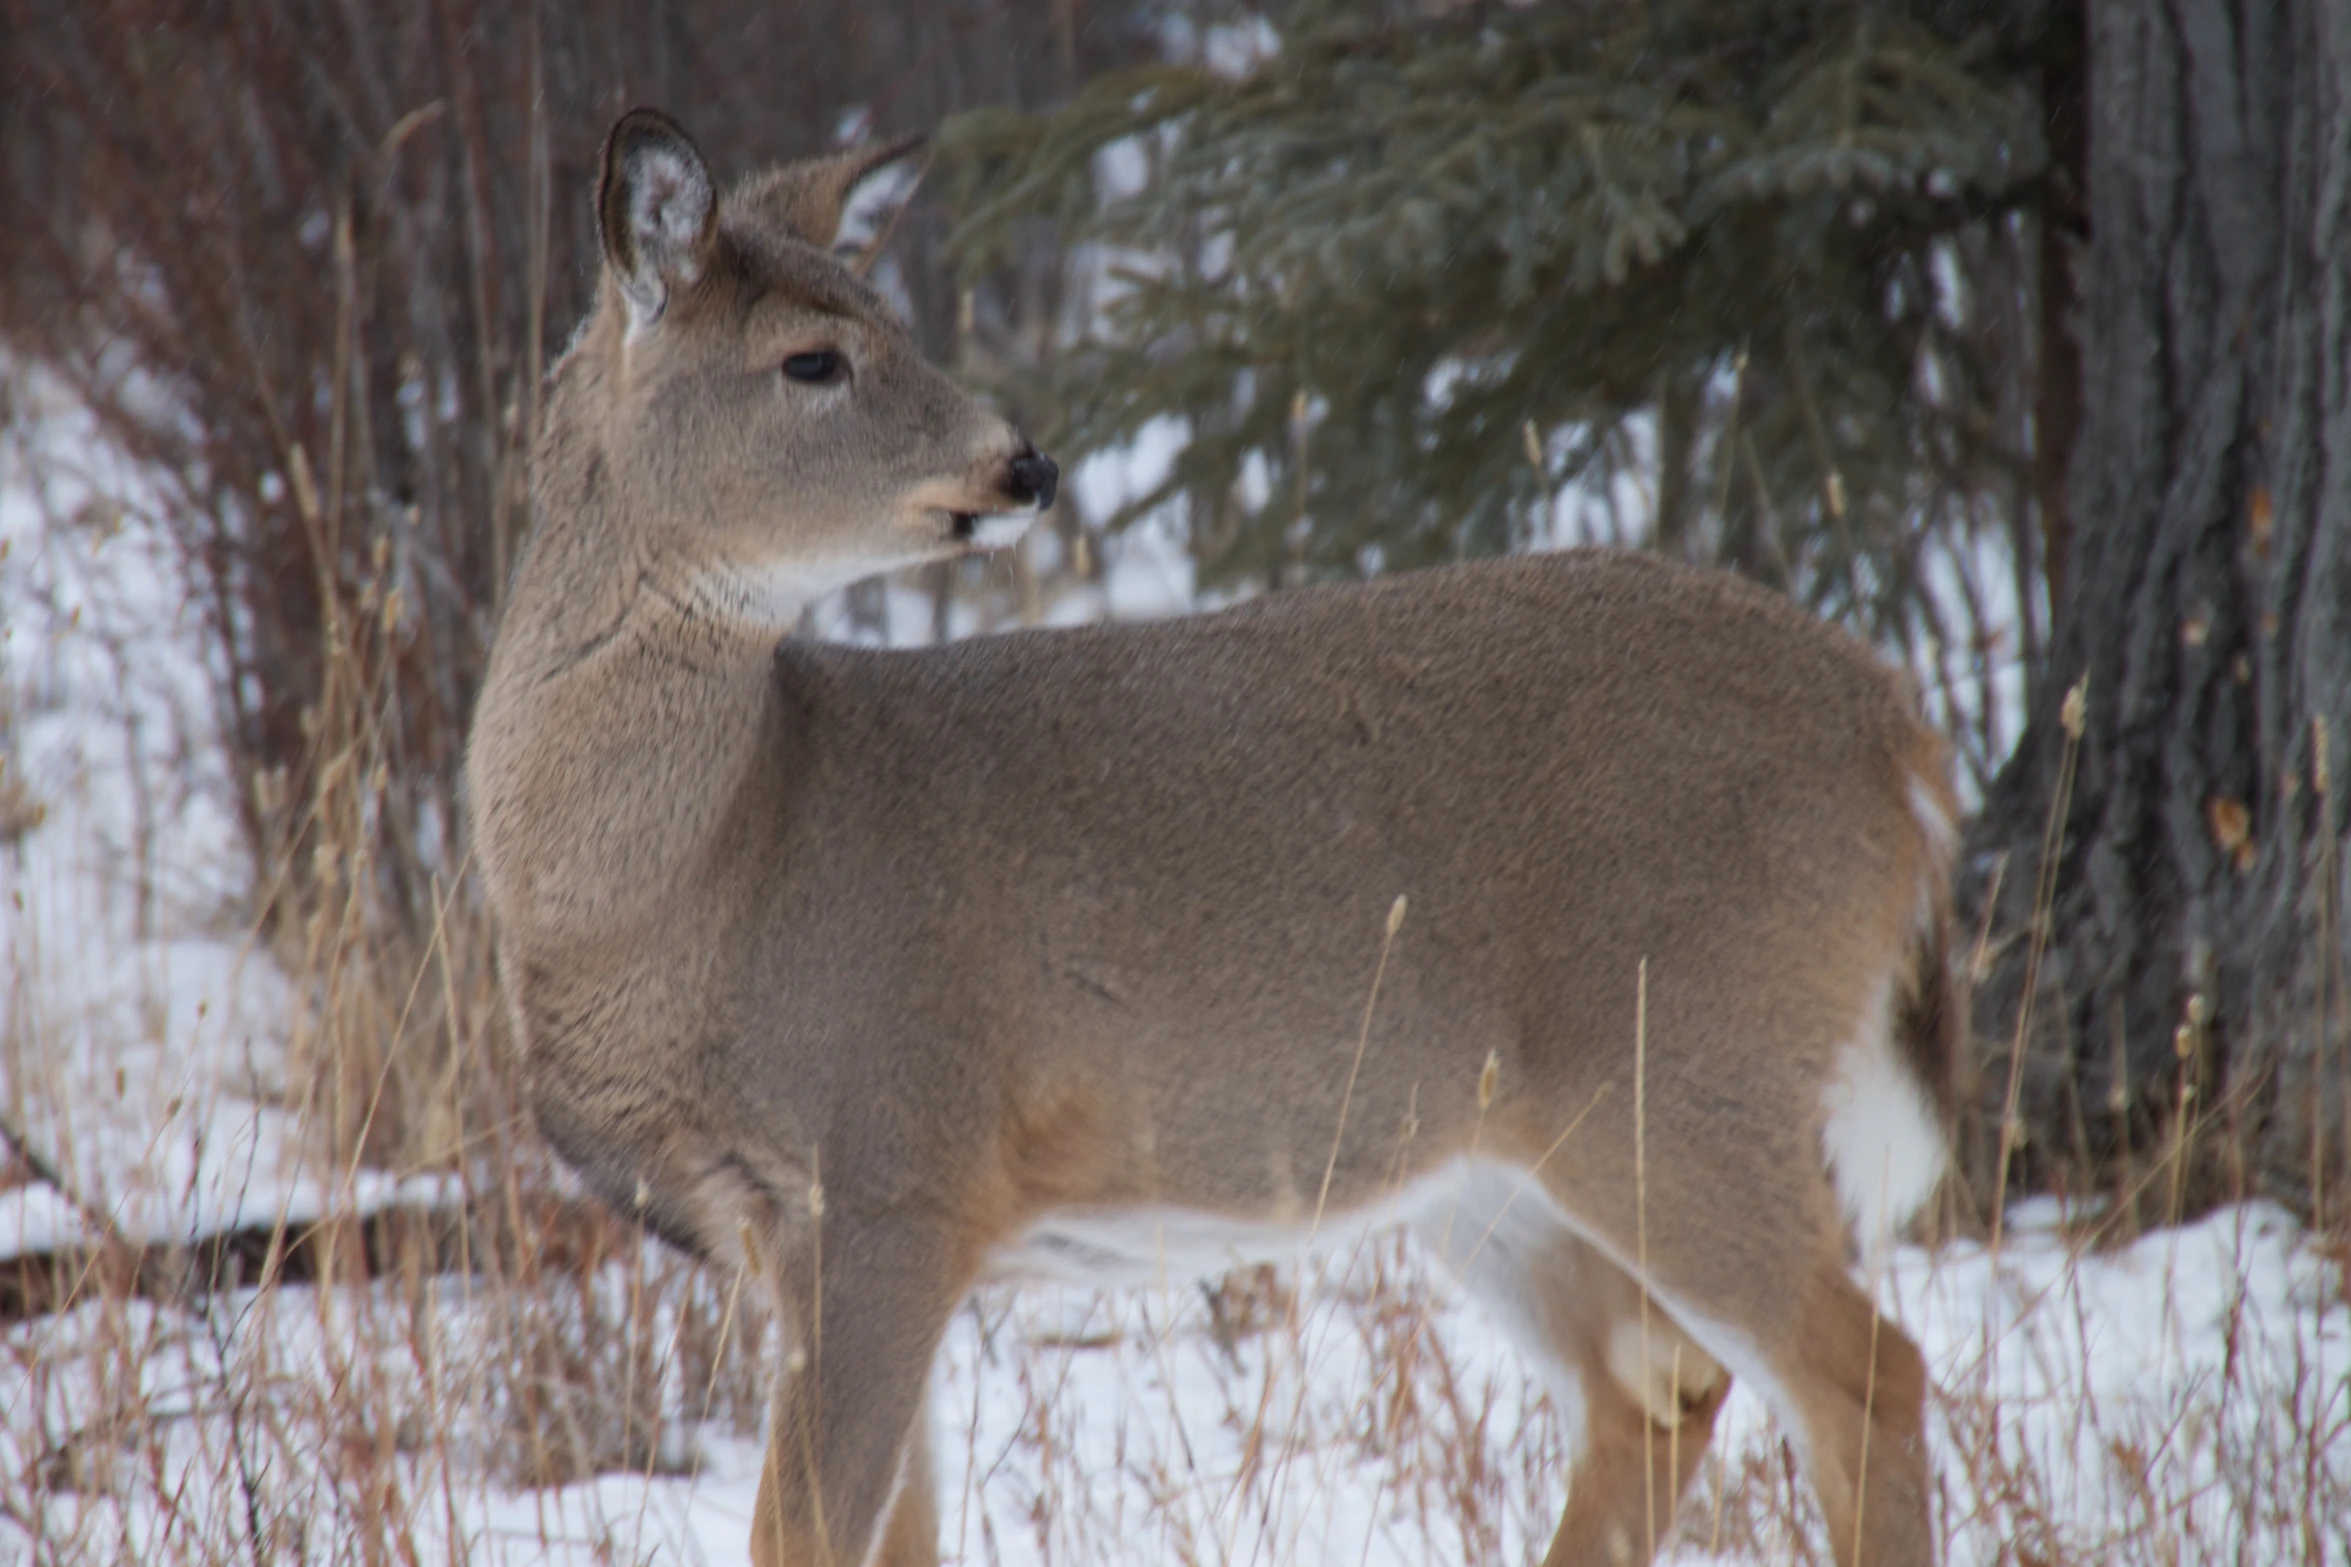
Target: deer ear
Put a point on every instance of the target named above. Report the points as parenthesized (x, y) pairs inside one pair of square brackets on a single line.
[(656, 211), (843, 202), (880, 184)]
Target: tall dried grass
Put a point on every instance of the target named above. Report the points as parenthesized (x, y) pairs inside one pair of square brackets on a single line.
[(305, 266)]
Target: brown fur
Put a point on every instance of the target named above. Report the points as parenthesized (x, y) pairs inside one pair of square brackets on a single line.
[(1080, 921)]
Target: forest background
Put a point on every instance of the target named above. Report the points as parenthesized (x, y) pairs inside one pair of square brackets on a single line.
[(2013, 334)]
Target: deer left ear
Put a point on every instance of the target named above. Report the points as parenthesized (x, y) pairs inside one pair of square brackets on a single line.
[(656, 210), (844, 202)]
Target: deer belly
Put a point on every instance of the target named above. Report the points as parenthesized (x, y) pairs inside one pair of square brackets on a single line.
[(1465, 1201)]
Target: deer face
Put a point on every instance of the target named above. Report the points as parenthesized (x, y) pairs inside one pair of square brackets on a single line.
[(764, 401)]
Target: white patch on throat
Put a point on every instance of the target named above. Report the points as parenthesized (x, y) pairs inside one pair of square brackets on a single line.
[(770, 599), (1000, 530), (1884, 1147)]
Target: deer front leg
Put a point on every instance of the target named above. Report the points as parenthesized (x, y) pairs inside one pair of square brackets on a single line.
[(911, 1537), (864, 1314)]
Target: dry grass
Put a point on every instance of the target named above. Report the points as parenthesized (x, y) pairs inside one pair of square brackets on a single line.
[(506, 1336), (392, 1419)]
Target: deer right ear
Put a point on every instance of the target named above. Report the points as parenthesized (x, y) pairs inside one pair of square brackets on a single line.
[(656, 210)]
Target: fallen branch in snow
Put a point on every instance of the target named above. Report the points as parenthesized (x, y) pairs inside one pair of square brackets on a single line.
[(561, 1235), (61, 1277), (181, 1271), (47, 1172)]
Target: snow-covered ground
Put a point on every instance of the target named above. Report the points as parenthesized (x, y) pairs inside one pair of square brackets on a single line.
[(2182, 1399), (2178, 1401)]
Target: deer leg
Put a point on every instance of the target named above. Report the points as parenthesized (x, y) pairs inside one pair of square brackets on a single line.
[(1761, 1284), (1849, 1384), (846, 1453), (911, 1537), (1638, 1393), (1650, 1398), (1858, 1386)]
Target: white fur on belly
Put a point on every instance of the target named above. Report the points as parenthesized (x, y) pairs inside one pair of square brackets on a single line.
[(1163, 1244), (1490, 1224)]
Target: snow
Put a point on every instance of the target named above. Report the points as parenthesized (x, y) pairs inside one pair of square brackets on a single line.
[(2101, 1404), (144, 1038)]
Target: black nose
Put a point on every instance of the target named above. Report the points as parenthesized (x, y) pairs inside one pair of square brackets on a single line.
[(1034, 478)]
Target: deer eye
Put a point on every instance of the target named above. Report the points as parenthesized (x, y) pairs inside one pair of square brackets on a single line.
[(817, 367)]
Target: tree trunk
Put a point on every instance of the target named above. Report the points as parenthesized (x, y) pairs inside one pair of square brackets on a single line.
[(2192, 937)]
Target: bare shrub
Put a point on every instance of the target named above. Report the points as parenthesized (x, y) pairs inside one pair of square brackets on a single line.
[(308, 264)]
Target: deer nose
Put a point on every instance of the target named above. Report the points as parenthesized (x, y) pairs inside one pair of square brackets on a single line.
[(1034, 477)]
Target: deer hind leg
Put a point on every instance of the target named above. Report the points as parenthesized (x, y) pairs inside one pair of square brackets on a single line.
[(1857, 1388), (1847, 1385), (847, 1476), (1638, 1393), (1650, 1398)]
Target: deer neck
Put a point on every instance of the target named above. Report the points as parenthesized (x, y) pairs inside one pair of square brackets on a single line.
[(625, 718)]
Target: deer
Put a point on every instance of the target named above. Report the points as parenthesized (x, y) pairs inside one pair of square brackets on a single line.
[(884, 974)]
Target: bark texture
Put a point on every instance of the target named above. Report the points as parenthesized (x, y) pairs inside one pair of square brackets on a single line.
[(2194, 934)]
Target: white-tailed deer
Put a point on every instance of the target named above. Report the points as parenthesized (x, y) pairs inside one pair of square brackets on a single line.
[(885, 973)]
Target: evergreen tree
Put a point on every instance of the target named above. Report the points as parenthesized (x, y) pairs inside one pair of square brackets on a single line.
[(1414, 276)]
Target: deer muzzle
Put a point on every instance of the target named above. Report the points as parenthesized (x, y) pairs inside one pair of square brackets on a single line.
[(1034, 478)]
